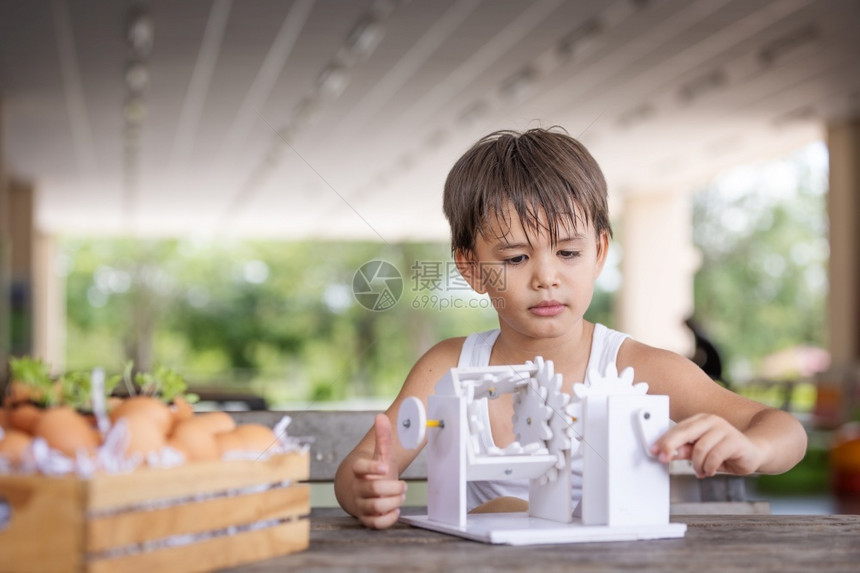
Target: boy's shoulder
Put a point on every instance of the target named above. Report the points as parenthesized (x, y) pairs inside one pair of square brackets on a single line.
[(432, 365), (657, 366), (640, 355), (446, 351)]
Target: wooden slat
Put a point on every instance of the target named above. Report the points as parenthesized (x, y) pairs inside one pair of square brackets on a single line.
[(131, 527), (117, 490), (720, 508), (45, 531), (776, 543), (215, 553)]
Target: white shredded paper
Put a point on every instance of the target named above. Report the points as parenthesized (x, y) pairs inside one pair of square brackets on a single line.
[(110, 457)]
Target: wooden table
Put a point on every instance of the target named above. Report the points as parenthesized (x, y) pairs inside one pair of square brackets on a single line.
[(816, 543)]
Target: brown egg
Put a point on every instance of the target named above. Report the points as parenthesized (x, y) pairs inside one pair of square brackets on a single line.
[(256, 437), (215, 422), (195, 441), (145, 436), (13, 444), (24, 417), (229, 442), (66, 430), (147, 406)]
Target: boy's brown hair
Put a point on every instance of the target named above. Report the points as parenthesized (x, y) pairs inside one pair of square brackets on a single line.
[(536, 172)]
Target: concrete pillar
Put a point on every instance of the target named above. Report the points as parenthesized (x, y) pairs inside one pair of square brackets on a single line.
[(5, 253), (838, 397), (49, 303), (843, 141), (657, 266)]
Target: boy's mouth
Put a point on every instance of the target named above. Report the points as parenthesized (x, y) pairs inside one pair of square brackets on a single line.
[(547, 308)]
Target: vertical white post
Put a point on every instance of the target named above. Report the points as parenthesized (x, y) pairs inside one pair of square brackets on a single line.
[(638, 485), (446, 460), (552, 500), (595, 469)]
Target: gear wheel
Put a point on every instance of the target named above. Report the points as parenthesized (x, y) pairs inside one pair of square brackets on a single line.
[(609, 383), (531, 415), (540, 416), (576, 427), (562, 431)]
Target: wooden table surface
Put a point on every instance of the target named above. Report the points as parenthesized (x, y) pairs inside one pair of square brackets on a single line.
[(810, 543)]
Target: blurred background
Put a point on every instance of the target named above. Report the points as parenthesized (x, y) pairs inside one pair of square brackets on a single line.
[(250, 192)]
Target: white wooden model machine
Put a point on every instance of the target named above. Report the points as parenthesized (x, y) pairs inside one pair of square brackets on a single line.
[(609, 423)]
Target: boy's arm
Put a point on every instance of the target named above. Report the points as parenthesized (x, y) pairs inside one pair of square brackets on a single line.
[(366, 483), (717, 430)]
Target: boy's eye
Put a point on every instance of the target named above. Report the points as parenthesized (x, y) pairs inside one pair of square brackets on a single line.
[(516, 260), (568, 254)]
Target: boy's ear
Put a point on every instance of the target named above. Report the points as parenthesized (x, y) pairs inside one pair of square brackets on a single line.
[(467, 264), (602, 251)]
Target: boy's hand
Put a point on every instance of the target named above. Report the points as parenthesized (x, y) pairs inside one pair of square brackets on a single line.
[(377, 491), (711, 444)]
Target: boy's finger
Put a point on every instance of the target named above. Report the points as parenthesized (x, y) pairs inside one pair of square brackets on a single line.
[(687, 432), (702, 450), (665, 452), (380, 505), (368, 468), (684, 452), (382, 488), (382, 432)]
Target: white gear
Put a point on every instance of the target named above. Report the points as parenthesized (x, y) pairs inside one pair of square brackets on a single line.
[(542, 415), (531, 415), (560, 441), (610, 383), (539, 416), (561, 428), (574, 414)]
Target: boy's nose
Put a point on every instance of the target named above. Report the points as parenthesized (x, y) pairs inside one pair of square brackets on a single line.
[(545, 276)]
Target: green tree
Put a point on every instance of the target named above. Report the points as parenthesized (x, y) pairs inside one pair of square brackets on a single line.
[(762, 233), (274, 317)]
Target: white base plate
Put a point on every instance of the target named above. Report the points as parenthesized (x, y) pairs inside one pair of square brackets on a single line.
[(520, 529)]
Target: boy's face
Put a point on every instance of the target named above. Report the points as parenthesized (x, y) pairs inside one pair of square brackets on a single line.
[(539, 289)]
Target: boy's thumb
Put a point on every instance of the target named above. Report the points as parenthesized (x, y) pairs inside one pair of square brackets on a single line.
[(382, 432)]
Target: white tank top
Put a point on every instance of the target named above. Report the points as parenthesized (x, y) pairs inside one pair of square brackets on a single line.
[(476, 351)]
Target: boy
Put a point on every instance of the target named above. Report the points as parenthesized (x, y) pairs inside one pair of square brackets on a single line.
[(536, 203)]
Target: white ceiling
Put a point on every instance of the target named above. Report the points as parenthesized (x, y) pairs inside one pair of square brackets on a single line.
[(664, 92)]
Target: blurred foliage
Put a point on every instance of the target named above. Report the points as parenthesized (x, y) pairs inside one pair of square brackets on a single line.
[(278, 318), (762, 234)]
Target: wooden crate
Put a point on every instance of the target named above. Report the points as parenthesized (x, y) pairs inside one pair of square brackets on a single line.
[(146, 520)]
